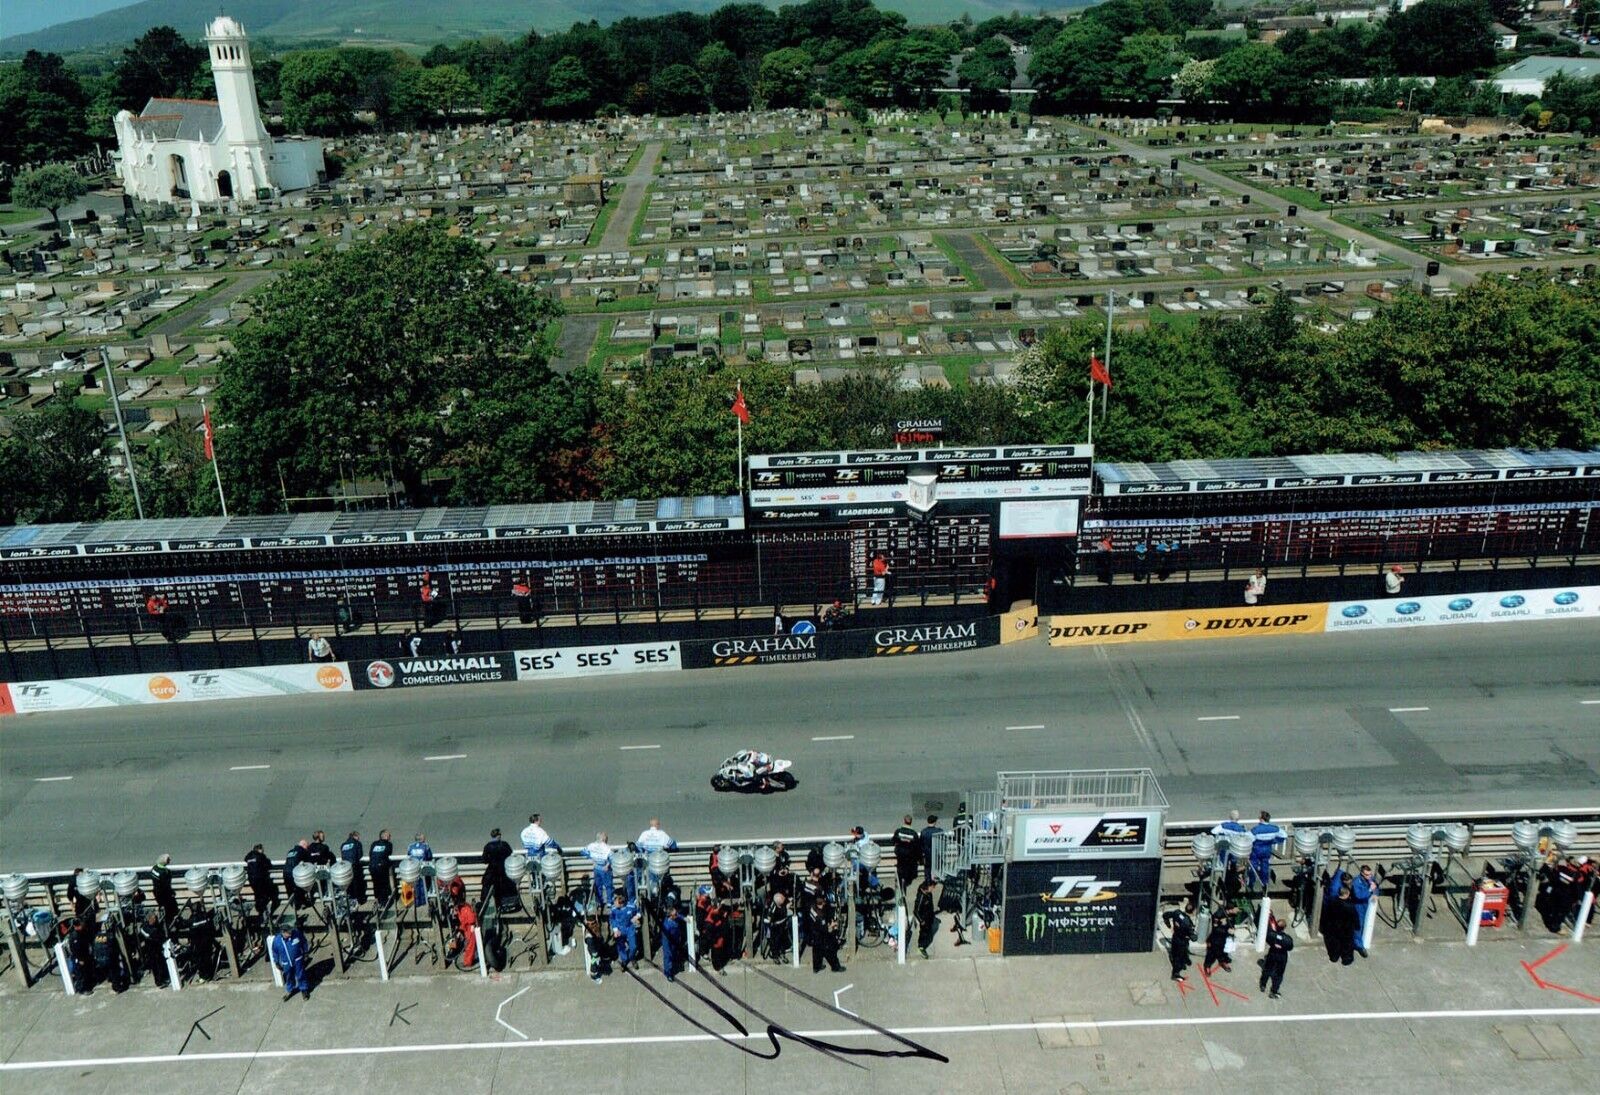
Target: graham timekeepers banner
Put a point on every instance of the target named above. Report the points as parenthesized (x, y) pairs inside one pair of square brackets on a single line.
[(1081, 906)]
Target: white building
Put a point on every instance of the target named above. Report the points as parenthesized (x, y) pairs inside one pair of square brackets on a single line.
[(213, 150)]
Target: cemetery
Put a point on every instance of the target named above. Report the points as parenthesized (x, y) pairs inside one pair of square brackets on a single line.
[(937, 247)]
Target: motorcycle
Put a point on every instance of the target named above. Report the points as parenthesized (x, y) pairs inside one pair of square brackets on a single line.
[(747, 772)]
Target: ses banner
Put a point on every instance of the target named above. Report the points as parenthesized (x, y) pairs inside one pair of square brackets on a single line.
[(590, 661), (179, 686), (1464, 608), (1081, 906), (1199, 623)]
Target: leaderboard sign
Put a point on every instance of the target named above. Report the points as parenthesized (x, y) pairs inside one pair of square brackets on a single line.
[(833, 486)]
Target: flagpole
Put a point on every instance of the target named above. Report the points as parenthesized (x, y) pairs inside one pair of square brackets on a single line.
[(212, 445), (1105, 393), (1091, 412)]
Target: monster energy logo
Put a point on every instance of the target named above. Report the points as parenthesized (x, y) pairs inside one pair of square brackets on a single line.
[(1033, 926)]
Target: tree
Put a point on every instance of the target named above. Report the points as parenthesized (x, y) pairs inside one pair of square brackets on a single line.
[(381, 360), (319, 92), (785, 78), (917, 65), (1440, 38), (447, 87), (1250, 73), (42, 104), (160, 63), (1075, 66), (175, 478), (568, 90), (987, 74), (55, 467), (1144, 66), (678, 89), (48, 187), (723, 77), (1190, 81)]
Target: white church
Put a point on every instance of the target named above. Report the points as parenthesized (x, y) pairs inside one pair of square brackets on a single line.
[(194, 151)]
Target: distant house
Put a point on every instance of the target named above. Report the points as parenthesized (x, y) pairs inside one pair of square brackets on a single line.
[(1504, 36), (1528, 76)]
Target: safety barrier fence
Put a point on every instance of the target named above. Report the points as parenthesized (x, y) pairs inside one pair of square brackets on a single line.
[(1408, 853), (496, 666)]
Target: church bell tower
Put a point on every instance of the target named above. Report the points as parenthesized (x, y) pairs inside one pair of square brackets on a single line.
[(249, 146)]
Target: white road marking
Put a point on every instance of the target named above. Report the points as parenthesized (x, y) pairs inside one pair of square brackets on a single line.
[(840, 992), (625, 748), (1589, 703), (1129, 711), (761, 1035), (248, 767), (503, 1003), (447, 756), (1406, 710), (52, 779), (835, 737), (1217, 718), (1030, 726)]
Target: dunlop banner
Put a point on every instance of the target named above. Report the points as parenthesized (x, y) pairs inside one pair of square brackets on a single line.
[(1198, 623), (1019, 625)]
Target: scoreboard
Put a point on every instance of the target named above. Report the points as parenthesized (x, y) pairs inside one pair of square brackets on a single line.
[(816, 488)]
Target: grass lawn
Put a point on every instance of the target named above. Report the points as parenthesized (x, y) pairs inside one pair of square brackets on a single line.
[(25, 216), (598, 229)]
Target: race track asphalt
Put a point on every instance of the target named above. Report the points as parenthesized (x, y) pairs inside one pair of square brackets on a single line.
[(1489, 718)]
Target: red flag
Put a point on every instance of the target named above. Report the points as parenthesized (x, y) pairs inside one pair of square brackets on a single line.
[(1098, 371), (740, 411), (206, 412)]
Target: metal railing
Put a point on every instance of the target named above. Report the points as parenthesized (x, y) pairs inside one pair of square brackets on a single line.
[(1107, 789)]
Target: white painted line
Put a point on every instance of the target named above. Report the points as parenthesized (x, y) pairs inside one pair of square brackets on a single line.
[(1030, 726), (840, 992), (1217, 718), (835, 737), (1407, 710), (248, 767), (626, 748), (447, 756), (1589, 703), (52, 779), (503, 1003), (627, 1041)]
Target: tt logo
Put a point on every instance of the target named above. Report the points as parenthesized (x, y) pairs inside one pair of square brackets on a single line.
[(29, 689), (1116, 830), (204, 680), (1082, 889), (1033, 926)]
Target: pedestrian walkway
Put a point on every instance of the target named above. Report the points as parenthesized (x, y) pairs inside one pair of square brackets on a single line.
[(1419, 1017), (636, 188)]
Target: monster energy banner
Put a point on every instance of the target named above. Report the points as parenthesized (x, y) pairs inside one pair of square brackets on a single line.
[(1081, 906)]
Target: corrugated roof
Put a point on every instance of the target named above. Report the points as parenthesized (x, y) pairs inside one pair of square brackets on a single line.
[(1355, 463), (724, 507), (1542, 68)]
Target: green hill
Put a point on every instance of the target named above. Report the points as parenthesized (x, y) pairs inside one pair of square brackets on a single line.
[(408, 21)]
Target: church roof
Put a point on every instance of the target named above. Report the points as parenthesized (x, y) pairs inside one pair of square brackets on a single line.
[(180, 119)]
